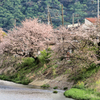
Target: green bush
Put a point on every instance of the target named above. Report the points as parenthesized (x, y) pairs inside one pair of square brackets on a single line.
[(29, 61), (65, 88), (80, 94), (56, 87), (26, 63), (44, 86), (44, 56), (25, 81), (55, 91), (79, 85)]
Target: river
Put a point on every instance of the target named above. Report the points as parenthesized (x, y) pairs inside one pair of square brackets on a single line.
[(13, 91)]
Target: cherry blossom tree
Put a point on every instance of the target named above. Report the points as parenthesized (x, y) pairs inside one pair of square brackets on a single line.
[(27, 39), (77, 40)]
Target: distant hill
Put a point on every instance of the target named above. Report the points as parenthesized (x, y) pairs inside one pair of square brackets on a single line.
[(14, 11)]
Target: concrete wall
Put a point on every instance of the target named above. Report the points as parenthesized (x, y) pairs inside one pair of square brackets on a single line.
[(75, 25)]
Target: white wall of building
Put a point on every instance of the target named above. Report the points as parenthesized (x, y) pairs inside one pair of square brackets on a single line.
[(75, 25), (88, 23)]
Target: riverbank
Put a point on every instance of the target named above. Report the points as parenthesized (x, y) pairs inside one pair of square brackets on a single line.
[(60, 82), (33, 73), (13, 91), (61, 77), (7, 83)]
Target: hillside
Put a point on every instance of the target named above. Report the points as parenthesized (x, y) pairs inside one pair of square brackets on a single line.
[(38, 54), (12, 12), (74, 54)]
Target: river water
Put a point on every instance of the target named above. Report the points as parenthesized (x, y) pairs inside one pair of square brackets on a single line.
[(12, 91)]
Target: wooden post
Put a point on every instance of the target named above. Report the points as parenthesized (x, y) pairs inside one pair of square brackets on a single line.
[(73, 19), (48, 16), (62, 15), (14, 22), (78, 22), (98, 11)]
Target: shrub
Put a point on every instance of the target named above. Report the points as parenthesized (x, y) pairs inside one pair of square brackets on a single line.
[(65, 88), (55, 91), (44, 56), (56, 87), (44, 86), (80, 85), (29, 61), (79, 94)]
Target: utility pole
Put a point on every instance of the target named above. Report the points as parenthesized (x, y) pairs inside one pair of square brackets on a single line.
[(14, 22), (98, 11), (62, 15), (78, 22), (50, 19), (73, 19), (48, 16)]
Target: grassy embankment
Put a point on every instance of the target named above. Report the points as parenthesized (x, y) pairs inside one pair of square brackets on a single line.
[(83, 90), (29, 67), (24, 70), (86, 79)]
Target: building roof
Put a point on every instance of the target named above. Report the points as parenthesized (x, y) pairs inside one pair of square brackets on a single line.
[(93, 20)]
